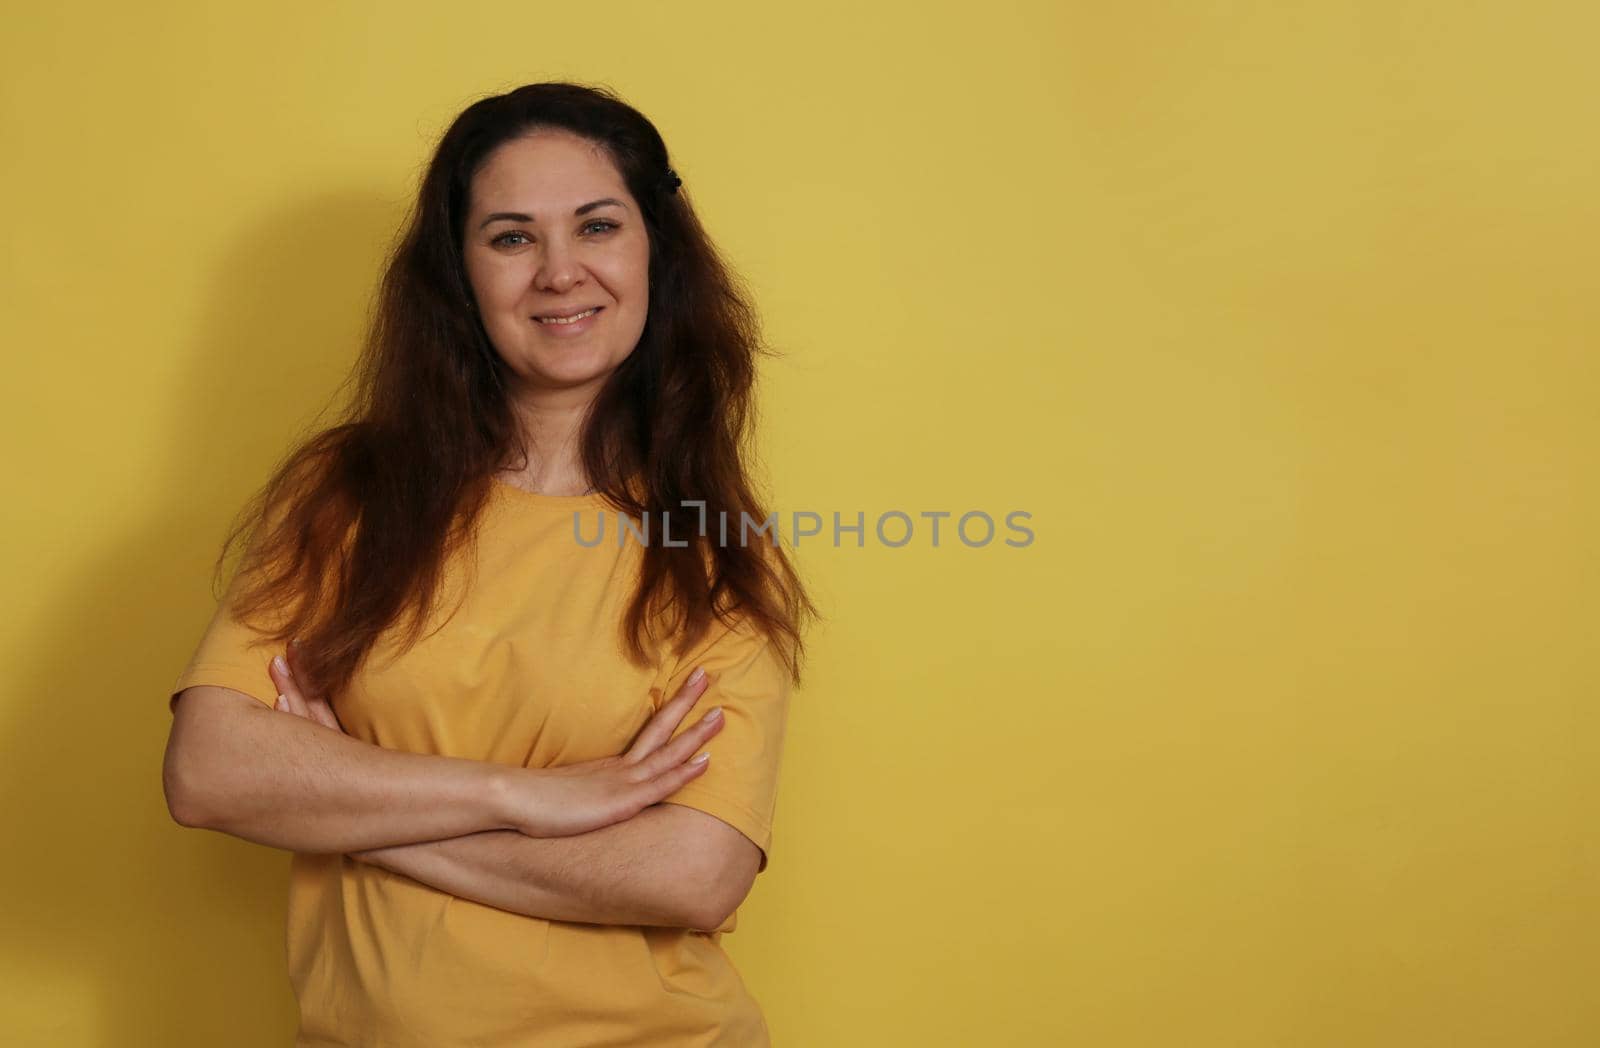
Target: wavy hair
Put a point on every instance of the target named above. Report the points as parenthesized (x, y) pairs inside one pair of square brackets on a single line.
[(355, 525)]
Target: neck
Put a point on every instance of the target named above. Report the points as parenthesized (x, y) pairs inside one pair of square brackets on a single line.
[(551, 424)]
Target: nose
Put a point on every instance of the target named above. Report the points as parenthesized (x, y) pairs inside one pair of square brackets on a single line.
[(558, 269)]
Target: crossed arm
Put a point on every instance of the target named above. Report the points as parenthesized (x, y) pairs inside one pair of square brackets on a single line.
[(668, 865), (237, 766)]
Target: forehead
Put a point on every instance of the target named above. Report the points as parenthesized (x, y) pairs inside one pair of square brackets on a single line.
[(545, 171)]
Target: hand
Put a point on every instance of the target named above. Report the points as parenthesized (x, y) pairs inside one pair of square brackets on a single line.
[(577, 798), (291, 699)]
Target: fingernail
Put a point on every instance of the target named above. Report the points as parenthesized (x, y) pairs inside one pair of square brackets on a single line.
[(277, 661), (714, 713), (697, 676), (701, 759), (283, 702)]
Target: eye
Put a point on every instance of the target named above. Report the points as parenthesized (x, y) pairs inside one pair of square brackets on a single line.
[(601, 224)]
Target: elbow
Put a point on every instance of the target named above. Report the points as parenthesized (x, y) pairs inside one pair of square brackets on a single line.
[(183, 798), (197, 772), (704, 917), (189, 792), (179, 804), (719, 891)]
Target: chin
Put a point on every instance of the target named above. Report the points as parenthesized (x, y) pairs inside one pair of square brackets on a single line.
[(568, 373)]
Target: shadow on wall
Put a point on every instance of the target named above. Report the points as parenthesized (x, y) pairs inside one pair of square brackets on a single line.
[(122, 927)]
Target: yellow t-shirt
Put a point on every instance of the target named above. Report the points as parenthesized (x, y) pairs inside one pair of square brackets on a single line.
[(529, 671)]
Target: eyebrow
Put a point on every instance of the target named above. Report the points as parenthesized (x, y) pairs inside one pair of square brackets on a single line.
[(518, 216)]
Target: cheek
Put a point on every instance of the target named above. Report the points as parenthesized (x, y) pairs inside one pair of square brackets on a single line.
[(632, 278), (630, 271), (502, 291), (493, 285)]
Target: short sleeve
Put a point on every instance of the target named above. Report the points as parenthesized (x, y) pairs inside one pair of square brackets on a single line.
[(230, 655), (752, 685)]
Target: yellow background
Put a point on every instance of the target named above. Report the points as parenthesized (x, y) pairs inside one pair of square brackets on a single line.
[(1278, 318)]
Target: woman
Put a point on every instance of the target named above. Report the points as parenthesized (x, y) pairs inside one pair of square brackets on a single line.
[(502, 834)]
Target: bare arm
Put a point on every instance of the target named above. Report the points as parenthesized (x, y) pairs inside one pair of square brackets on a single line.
[(669, 865), (647, 863), (234, 765), (300, 783)]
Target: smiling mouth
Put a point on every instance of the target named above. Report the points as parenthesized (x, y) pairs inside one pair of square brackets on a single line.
[(573, 319)]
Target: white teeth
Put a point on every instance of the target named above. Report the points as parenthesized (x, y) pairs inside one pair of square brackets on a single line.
[(567, 320)]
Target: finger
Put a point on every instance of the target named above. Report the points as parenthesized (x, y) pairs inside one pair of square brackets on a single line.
[(664, 786), (323, 714), (288, 691), (665, 720), (292, 656), (316, 708), (321, 710), (686, 745)]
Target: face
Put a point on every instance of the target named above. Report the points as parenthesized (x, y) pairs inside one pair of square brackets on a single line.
[(552, 231)]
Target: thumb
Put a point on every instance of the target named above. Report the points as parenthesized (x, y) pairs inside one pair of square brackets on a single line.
[(289, 698)]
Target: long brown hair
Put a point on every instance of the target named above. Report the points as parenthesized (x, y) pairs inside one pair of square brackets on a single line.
[(355, 525)]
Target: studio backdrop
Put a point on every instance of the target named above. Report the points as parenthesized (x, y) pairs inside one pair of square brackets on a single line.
[(1184, 413)]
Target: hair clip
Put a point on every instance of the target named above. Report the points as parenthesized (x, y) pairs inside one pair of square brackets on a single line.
[(673, 181)]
